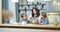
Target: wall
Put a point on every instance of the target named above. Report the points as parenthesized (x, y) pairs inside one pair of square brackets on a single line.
[(5, 5), (0, 11), (13, 9)]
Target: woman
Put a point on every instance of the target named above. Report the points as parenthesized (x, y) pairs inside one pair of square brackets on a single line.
[(44, 19), (35, 15)]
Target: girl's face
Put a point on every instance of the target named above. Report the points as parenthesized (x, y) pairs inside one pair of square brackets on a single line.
[(43, 14), (34, 11)]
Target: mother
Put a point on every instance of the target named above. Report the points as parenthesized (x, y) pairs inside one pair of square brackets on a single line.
[(34, 16)]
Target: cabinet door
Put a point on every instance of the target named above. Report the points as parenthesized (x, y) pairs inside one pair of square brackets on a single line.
[(53, 6), (50, 6), (58, 8)]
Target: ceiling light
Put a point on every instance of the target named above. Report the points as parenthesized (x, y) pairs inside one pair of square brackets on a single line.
[(30, 0), (14, 1), (47, 0)]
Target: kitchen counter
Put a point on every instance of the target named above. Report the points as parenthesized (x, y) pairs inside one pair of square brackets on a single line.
[(31, 26)]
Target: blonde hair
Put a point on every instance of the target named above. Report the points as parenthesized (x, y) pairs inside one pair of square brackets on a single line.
[(7, 13)]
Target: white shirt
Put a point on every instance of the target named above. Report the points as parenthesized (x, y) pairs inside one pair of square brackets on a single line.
[(37, 18)]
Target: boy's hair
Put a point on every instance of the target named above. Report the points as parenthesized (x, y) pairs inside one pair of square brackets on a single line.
[(23, 14)]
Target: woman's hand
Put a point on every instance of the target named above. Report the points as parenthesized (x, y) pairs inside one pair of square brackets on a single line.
[(29, 18), (35, 22)]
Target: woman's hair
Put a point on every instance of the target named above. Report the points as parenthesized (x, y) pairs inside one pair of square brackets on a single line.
[(37, 12), (45, 14), (23, 14)]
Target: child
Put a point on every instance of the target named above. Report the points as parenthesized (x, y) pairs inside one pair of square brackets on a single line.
[(24, 18), (44, 19)]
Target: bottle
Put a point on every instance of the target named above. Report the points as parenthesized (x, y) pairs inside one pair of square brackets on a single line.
[(55, 22)]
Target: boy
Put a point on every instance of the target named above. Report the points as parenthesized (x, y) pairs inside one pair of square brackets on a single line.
[(24, 18)]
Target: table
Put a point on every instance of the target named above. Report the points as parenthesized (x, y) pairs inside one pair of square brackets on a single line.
[(31, 26)]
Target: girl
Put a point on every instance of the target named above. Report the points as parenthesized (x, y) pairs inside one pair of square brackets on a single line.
[(44, 19)]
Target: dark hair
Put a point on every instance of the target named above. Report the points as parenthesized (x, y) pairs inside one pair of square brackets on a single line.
[(22, 15), (38, 14)]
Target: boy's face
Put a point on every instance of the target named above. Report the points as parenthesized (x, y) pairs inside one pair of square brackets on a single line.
[(24, 17)]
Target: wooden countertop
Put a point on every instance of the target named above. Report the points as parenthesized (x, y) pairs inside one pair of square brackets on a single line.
[(31, 26)]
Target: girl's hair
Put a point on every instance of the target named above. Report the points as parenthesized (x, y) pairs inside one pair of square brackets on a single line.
[(45, 13), (37, 10)]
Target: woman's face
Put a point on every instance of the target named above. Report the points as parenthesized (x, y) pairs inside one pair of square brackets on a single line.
[(34, 11)]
